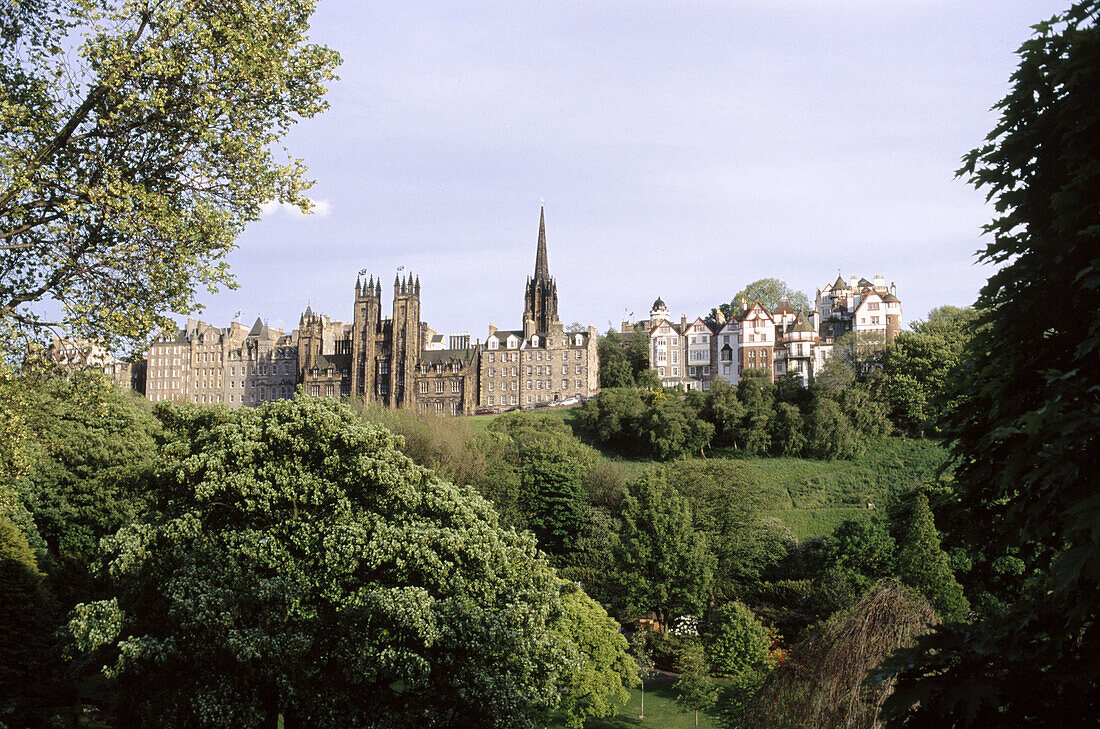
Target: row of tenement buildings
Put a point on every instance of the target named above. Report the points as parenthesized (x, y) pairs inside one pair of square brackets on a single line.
[(400, 361), (692, 354)]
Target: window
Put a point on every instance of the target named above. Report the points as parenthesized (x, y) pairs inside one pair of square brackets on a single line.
[(514, 372), (578, 370), (565, 384), (528, 369), (423, 387), (454, 386), (873, 306), (512, 399), (578, 354), (492, 357), (490, 401), (675, 371), (492, 372), (565, 369), (538, 384), (454, 408), (579, 384), (439, 387), (528, 386), (661, 371), (490, 387), (383, 367)]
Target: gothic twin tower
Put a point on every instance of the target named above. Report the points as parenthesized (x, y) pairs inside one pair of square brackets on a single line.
[(400, 361)]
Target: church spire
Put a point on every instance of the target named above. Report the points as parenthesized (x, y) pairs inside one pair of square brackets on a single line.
[(542, 268)]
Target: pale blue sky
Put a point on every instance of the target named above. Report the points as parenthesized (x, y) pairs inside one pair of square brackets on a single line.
[(682, 149)]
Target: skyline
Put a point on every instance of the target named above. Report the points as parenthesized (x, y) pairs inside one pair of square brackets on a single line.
[(683, 151)]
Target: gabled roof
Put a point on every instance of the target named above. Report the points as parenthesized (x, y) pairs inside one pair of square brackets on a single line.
[(653, 332), (839, 283), (784, 307), (257, 328), (865, 284), (801, 324)]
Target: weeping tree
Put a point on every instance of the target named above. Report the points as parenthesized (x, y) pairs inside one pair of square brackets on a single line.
[(825, 682)]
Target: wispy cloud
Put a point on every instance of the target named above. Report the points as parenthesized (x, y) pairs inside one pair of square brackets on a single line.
[(321, 209)]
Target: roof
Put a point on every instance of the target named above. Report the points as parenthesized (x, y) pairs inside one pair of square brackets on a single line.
[(784, 307), (801, 325), (891, 299), (865, 284), (839, 283), (257, 328), (659, 304)]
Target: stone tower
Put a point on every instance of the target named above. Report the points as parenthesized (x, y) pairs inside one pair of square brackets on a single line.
[(540, 304), (366, 326), (406, 340)]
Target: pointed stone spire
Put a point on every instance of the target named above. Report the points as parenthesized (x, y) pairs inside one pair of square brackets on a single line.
[(542, 267), (358, 285)]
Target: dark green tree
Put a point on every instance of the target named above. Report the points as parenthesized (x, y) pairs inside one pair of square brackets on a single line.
[(1026, 449), (830, 433), (787, 430), (756, 393), (723, 410), (923, 565), (298, 570)]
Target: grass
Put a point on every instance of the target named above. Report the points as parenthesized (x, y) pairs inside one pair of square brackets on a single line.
[(661, 711)]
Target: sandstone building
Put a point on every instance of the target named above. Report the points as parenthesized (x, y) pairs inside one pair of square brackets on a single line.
[(541, 363)]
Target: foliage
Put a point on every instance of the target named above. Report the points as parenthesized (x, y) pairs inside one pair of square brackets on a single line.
[(786, 430), (598, 686), (663, 564), (724, 411), (924, 566), (26, 630), (919, 374), (135, 144), (88, 440), (756, 393), (768, 291), (830, 432), (623, 359), (823, 683), (1026, 431), (736, 641), (697, 691), (863, 547), (659, 425), (298, 565)]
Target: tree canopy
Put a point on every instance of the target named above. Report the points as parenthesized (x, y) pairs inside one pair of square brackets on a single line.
[(297, 564), (768, 291), (1026, 430), (135, 144)]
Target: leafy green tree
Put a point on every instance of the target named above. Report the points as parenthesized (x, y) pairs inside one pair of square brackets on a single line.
[(615, 370), (597, 688), (864, 547), (918, 383), (88, 440), (723, 410), (923, 565), (786, 430), (756, 393), (830, 433), (769, 292), (1026, 451), (550, 468), (643, 658), (612, 418), (664, 564), (736, 641), (298, 569), (135, 144), (670, 428), (695, 690)]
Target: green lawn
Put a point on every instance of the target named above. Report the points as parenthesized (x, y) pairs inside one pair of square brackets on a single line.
[(661, 711)]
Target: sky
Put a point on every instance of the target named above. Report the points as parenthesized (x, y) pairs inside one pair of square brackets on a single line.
[(682, 150)]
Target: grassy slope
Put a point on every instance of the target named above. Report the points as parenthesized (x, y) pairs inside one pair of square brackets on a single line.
[(809, 496)]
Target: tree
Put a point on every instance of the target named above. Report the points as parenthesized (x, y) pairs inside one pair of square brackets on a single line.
[(1026, 451), (723, 410), (830, 432), (643, 658), (26, 628), (756, 392), (298, 570), (615, 370), (924, 566), (786, 430), (598, 686), (88, 440), (695, 689), (863, 547), (768, 291), (130, 161), (737, 642), (824, 684), (664, 564), (918, 383)]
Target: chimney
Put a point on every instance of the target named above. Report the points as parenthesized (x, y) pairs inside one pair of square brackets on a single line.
[(492, 329)]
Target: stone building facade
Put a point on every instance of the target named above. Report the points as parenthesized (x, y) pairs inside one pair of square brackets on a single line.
[(541, 364), (204, 364)]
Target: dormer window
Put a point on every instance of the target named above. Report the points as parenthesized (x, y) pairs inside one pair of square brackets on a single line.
[(535, 341)]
